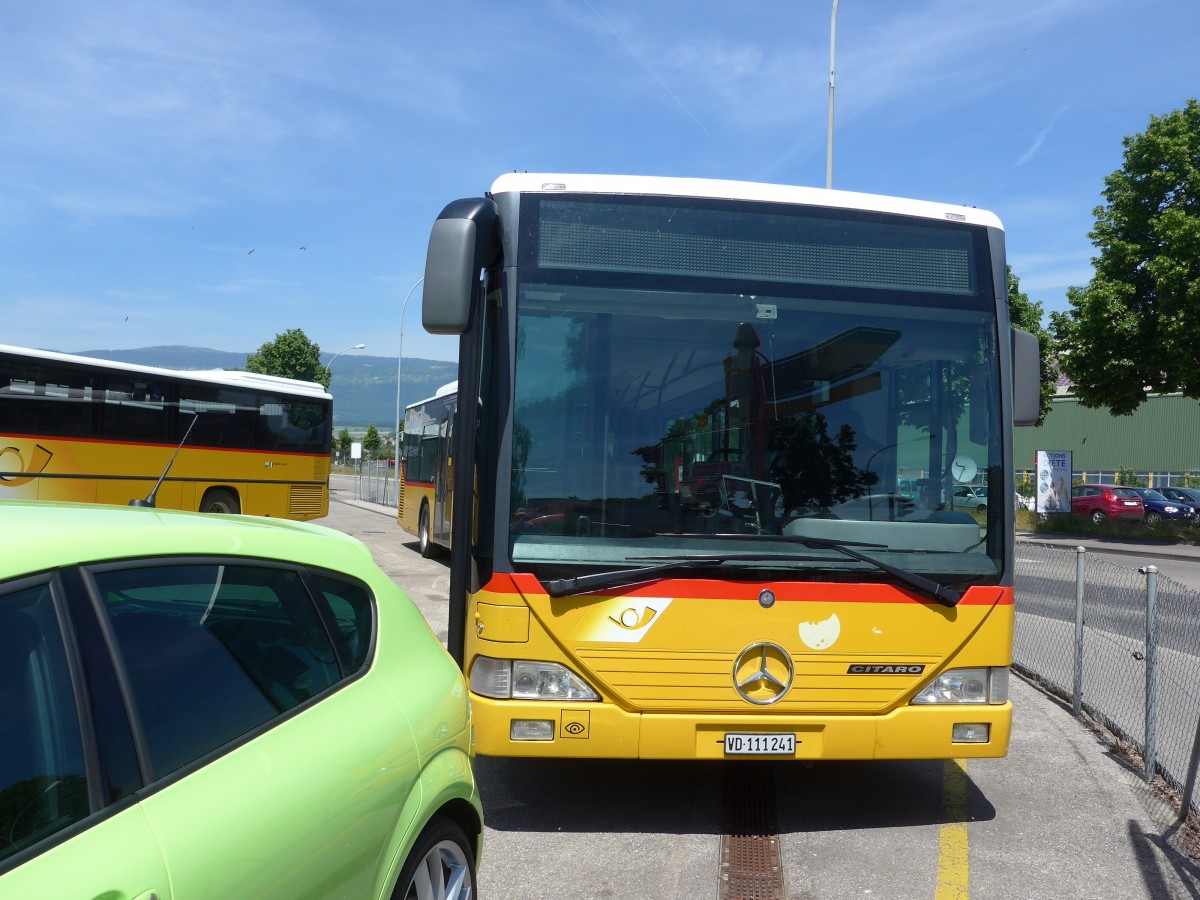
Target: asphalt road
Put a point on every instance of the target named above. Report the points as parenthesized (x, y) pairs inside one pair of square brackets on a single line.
[(1059, 818)]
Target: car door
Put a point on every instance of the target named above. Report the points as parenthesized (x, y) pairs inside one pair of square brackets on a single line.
[(116, 857), (58, 836), (277, 772)]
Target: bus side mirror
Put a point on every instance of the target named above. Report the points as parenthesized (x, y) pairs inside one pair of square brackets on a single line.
[(463, 241), (1026, 378)]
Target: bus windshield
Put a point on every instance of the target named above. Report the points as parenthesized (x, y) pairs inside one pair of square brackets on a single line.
[(688, 370)]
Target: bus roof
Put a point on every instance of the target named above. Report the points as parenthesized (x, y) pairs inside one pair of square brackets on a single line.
[(526, 182), (444, 391), (247, 380)]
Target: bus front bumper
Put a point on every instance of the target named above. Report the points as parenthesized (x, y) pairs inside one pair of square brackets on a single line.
[(602, 731)]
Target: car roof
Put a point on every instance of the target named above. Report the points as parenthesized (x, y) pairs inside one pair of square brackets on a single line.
[(38, 536)]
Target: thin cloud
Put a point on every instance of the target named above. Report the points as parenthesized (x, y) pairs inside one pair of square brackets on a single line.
[(1041, 138), (629, 49), (170, 107)]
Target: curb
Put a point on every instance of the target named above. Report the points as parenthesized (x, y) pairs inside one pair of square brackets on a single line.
[(388, 511), (1066, 542)]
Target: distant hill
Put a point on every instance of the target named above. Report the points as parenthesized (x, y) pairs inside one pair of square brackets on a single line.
[(173, 357), (363, 387)]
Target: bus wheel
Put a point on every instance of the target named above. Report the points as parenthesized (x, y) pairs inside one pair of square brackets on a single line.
[(423, 532), (220, 501)]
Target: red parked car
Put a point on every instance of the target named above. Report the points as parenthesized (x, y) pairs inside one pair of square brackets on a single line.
[(1100, 502)]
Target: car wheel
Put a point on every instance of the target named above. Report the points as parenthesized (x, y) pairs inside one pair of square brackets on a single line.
[(1153, 518), (1097, 517), (219, 500), (423, 537), (981, 509), (441, 865)]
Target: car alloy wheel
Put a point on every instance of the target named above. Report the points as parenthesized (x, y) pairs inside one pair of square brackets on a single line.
[(440, 866)]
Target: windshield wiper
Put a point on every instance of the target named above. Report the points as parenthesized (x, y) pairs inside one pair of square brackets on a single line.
[(940, 593), (667, 565), (560, 587)]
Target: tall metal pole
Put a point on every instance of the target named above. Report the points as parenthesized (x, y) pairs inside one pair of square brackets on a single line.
[(832, 46), (329, 365), (1080, 562), (1149, 754), (399, 366)]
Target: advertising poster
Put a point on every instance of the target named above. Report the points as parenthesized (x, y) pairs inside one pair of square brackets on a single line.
[(1053, 481)]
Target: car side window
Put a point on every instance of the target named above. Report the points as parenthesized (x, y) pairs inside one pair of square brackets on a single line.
[(351, 606), (43, 786), (212, 652)]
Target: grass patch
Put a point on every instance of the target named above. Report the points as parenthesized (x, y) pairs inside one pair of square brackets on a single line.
[(1061, 523)]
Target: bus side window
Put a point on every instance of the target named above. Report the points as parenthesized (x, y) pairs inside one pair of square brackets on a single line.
[(51, 400), (135, 409)]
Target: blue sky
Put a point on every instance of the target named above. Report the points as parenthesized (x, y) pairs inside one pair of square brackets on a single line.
[(215, 173)]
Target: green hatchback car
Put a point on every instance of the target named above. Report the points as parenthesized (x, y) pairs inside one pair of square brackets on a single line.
[(201, 706)]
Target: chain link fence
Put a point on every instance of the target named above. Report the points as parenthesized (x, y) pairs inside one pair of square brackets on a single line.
[(375, 481), (1120, 643)]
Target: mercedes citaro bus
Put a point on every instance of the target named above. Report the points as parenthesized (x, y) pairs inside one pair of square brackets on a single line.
[(707, 434)]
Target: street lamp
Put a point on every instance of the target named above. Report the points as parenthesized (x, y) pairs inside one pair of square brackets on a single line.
[(829, 155), (329, 365), (399, 365)]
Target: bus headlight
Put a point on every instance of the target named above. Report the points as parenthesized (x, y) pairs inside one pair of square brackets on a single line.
[(983, 685), (523, 679)]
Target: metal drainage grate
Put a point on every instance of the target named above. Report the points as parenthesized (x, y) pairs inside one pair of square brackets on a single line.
[(751, 867)]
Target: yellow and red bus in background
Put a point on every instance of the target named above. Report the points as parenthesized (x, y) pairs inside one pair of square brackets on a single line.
[(426, 469), (690, 417), (91, 430)]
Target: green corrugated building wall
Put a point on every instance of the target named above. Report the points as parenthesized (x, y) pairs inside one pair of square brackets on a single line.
[(1161, 438)]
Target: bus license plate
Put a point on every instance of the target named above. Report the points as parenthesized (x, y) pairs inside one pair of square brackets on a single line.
[(760, 744)]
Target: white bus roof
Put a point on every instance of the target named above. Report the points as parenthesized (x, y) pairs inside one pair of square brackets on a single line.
[(542, 183), (444, 391), (247, 380)]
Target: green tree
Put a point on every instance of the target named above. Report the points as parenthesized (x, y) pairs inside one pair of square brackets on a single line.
[(343, 444), (372, 442), (1129, 478), (1133, 329), (1026, 314), (290, 355)]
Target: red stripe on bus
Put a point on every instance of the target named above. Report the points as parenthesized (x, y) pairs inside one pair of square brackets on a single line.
[(785, 591), (115, 442)]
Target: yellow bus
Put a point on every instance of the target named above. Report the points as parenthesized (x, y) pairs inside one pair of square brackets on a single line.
[(426, 485), (96, 431), (689, 418)]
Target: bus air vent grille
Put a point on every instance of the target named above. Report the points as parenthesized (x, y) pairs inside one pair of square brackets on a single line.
[(304, 501)]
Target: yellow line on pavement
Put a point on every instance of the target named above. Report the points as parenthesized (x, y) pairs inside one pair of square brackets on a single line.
[(953, 876)]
